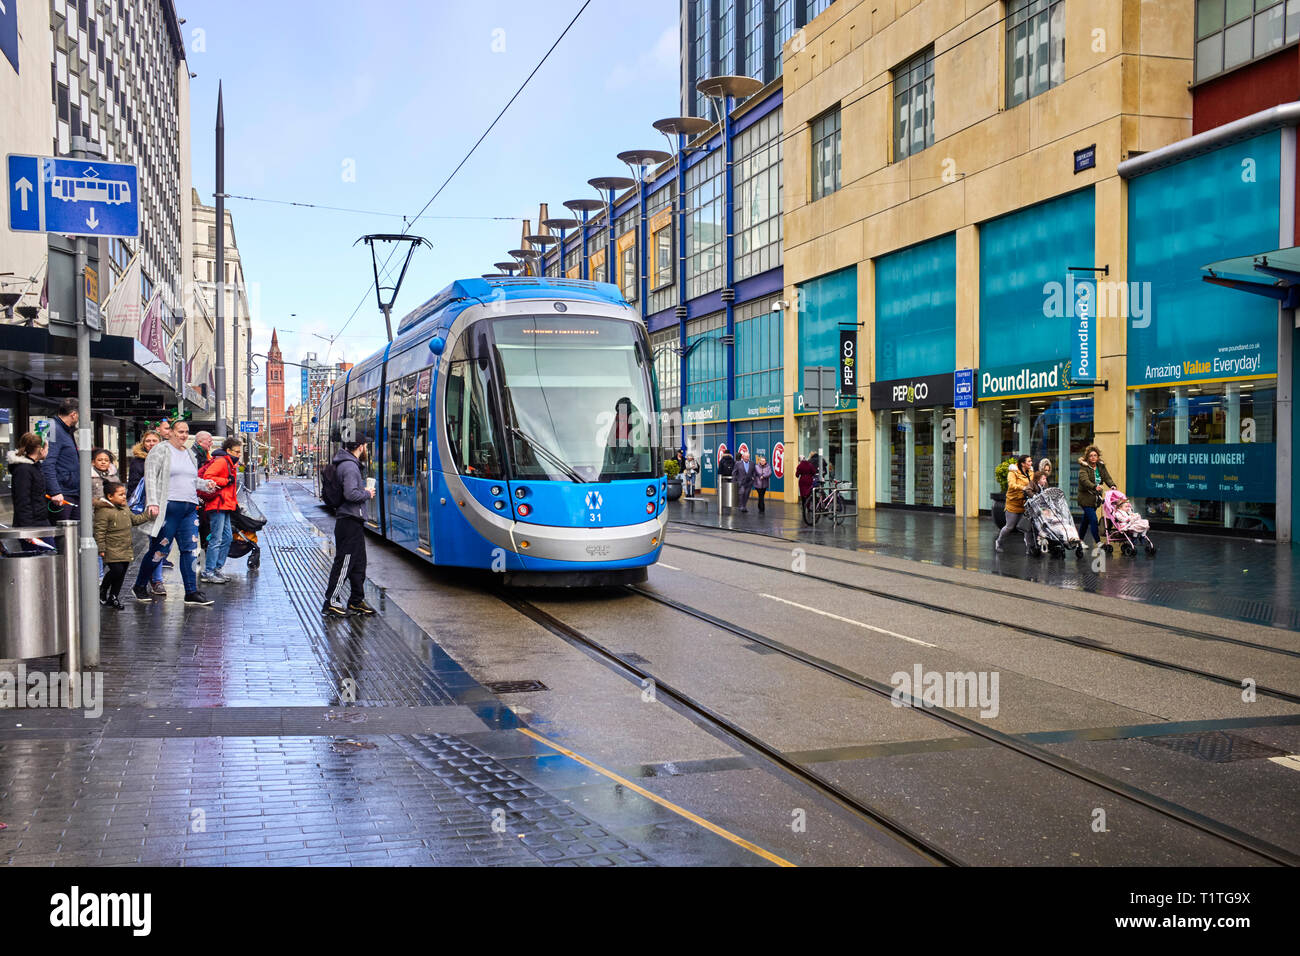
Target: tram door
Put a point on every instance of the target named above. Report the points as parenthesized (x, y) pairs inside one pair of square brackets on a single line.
[(423, 409)]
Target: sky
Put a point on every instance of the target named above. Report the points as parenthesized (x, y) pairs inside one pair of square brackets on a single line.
[(370, 107)]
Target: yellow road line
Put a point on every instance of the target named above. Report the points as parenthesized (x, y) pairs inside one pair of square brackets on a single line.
[(680, 811)]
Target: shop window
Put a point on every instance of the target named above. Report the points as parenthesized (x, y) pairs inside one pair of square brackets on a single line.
[(1174, 479)]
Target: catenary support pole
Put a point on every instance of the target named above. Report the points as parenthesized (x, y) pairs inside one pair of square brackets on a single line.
[(88, 564), (250, 473)]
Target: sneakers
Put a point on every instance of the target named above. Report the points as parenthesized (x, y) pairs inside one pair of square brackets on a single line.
[(215, 577), (360, 607), (199, 598), (333, 610), (156, 587), (141, 593), (114, 603), (168, 564)]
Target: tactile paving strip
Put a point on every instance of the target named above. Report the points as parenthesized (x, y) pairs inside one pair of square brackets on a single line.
[(555, 833)]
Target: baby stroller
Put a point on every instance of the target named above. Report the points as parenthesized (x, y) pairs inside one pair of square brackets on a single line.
[(1049, 511), (1124, 525), (246, 520)]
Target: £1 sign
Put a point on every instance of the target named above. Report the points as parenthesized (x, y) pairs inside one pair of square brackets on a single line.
[(778, 460)]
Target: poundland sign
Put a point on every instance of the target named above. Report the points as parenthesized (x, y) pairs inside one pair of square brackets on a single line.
[(1014, 381)]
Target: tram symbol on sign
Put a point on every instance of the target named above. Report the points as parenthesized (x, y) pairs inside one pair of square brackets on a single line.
[(594, 500)]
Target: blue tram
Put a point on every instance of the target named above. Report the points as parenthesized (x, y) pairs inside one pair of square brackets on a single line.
[(513, 426)]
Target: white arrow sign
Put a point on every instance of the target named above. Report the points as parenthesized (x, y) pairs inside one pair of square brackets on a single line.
[(91, 221), (24, 187)]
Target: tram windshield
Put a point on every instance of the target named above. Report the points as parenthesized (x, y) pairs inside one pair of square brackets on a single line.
[(576, 397)]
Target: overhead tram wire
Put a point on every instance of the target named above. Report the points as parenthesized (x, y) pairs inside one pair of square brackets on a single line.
[(366, 212), (407, 224)]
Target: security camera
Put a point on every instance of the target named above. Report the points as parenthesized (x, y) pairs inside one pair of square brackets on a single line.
[(779, 305)]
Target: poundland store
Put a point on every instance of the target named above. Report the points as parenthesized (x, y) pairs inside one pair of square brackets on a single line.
[(1210, 428)]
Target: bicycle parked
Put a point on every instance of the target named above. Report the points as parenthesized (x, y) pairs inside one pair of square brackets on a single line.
[(827, 501)]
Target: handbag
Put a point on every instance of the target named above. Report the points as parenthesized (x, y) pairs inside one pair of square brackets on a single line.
[(136, 501)]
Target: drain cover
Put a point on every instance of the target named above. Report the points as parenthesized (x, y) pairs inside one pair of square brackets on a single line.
[(515, 686), (286, 547), (1216, 746)]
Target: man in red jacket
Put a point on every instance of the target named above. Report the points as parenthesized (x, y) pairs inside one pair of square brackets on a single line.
[(223, 471)]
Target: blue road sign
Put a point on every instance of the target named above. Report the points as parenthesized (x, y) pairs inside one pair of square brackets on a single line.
[(963, 388), (253, 427), (75, 197)]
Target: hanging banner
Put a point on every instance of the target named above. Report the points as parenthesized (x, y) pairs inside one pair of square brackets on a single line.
[(848, 384), (1083, 329)]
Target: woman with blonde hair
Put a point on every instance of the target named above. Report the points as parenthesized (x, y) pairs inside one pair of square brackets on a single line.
[(140, 540)]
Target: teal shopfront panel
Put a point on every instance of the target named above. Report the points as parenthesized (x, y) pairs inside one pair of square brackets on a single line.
[(825, 304), (1023, 262), (916, 310), (1217, 206)]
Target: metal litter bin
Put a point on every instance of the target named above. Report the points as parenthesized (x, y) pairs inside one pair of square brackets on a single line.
[(38, 596), (726, 492)]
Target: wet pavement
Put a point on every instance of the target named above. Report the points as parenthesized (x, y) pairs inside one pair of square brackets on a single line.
[(1239, 578), (256, 732)]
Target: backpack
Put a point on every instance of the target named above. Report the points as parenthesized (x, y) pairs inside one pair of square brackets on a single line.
[(331, 487), (206, 472)]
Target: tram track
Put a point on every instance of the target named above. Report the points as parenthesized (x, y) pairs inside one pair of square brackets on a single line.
[(734, 735), (746, 741), (706, 532), (1021, 628)]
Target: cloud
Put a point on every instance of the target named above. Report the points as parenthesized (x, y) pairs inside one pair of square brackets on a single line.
[(656, 65)]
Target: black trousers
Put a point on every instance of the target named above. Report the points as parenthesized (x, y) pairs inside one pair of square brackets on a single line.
[(114, 575), (349, 546), (761, 492)]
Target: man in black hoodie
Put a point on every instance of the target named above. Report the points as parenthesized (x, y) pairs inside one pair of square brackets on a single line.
[(349, 531)]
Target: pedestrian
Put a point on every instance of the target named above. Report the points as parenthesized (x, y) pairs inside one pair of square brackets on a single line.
[(1041, 482), (113, 524), (805, 472), (202, 449), (135, 475), (743, 475), (762, 478), (61, 465), (31, 508), (726, 463), (139, 452), (349, 528), (171, 483), (1019, 477), (222, 470), (680, 458), (1092, 476), (1045, 466), (103, 464), (689, 472)]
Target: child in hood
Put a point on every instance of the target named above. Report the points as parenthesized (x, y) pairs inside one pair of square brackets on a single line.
[(113, 524)]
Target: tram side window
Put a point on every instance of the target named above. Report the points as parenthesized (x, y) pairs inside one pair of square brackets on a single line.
[(469, 425), (401, 430)]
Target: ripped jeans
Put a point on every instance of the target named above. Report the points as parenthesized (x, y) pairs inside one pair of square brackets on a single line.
[(180, 524)]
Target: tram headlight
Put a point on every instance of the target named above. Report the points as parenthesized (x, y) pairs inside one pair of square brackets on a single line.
[(499, 505), (496, 489), (649, 491), (520, 492)]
